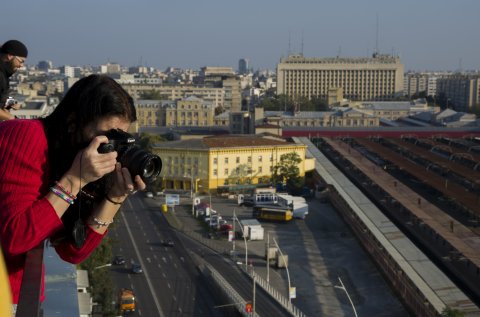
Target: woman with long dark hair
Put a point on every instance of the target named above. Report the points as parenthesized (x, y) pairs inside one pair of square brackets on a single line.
[(54, 183)]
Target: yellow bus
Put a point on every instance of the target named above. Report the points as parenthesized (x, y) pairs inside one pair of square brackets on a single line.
[(272, 213)]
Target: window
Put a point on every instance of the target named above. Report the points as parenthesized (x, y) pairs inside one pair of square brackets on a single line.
[(259, 169), (249, 159), (226, 160), (215, 160), (260, 158), (215, 172), (238, 159), (226, 171)]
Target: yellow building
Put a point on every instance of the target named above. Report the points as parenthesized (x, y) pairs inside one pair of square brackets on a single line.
[(188, 112), (219, 161)]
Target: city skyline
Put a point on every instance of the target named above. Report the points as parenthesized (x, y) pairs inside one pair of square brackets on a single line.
[(427, 35)]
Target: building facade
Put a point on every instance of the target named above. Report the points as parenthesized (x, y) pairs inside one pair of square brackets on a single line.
[(187, 112), (376, 78), (220, 161), (462, 92), (243, 66), (213, 95)]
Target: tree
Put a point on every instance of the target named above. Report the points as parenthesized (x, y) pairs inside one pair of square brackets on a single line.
[(101, 286), (450, 312), (153, 95), (147, 140), (287, 171)]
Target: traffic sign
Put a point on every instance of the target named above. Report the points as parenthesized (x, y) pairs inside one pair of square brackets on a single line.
[(172, 200)]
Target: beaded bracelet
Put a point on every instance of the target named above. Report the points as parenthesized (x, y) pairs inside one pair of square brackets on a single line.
[(66, 191), (101, 223), (62, 195)]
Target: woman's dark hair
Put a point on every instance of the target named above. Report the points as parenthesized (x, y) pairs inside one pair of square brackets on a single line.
[(87, 101)]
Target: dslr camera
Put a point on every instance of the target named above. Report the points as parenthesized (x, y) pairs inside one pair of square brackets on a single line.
[(10, 103), (131, 156)]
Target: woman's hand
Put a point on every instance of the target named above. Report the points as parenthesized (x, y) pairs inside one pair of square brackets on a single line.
[(89, 165), (124, 184)]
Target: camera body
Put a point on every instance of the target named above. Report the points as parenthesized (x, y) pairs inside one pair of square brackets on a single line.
[(10, 102), (131, 156)]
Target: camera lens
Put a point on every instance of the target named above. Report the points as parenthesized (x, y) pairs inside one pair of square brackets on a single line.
[(143, 163), (152, 166)]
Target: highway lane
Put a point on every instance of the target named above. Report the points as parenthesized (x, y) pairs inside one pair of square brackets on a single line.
[(265, 306), (169, 285)]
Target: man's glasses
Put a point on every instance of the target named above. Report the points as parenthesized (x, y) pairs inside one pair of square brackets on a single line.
[(21, 61)]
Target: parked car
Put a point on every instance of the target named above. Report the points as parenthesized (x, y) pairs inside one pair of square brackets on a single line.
[(225, 227), (137, 268), (118, 260)]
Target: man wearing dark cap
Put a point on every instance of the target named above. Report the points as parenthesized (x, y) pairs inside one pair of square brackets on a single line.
[(13, 54)]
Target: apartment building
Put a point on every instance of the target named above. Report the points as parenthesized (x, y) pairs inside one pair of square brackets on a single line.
[(213, 95), (217, 161), (462, 92), (415, 84), (377, 78)]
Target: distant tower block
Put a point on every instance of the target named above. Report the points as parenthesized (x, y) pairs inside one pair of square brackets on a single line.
[(243, 66)]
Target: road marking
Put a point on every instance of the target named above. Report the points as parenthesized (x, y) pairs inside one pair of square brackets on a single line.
[(150, 286)]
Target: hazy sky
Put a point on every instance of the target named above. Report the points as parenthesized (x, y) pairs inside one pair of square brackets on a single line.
[(427, 34)]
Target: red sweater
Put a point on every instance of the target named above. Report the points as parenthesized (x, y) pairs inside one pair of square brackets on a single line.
[(26, 216)]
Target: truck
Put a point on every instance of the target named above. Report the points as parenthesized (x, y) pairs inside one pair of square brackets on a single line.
[(255, 233), (298, 204), (247, 224), (126, 301)]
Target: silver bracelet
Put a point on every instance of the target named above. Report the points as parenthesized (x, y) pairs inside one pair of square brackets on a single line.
[(101, 223)]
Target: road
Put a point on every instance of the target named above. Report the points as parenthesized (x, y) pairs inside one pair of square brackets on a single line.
[(170, 285)]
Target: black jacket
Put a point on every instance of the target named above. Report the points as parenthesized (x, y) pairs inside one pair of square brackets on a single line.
[(4, 84)]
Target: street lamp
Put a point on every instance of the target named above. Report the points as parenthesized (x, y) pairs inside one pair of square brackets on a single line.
[(286, 267), (244, 238), (102, 266), (342, 287)]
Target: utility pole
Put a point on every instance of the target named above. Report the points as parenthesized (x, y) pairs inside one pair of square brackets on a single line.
[(268, 258), (254, 287)]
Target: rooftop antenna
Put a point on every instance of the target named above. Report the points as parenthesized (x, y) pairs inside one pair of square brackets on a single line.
[(375, 53), (460, 68), (289, 45), (302, 45), (339, 52)]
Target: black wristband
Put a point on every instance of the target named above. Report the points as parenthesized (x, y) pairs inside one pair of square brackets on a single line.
[(113, 202)]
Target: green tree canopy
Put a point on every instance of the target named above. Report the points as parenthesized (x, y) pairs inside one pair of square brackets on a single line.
[(287, 170), (153, 95), (147, 140), (450, 312)]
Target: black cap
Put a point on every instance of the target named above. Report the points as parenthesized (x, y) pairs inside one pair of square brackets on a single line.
[(14, 47)]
